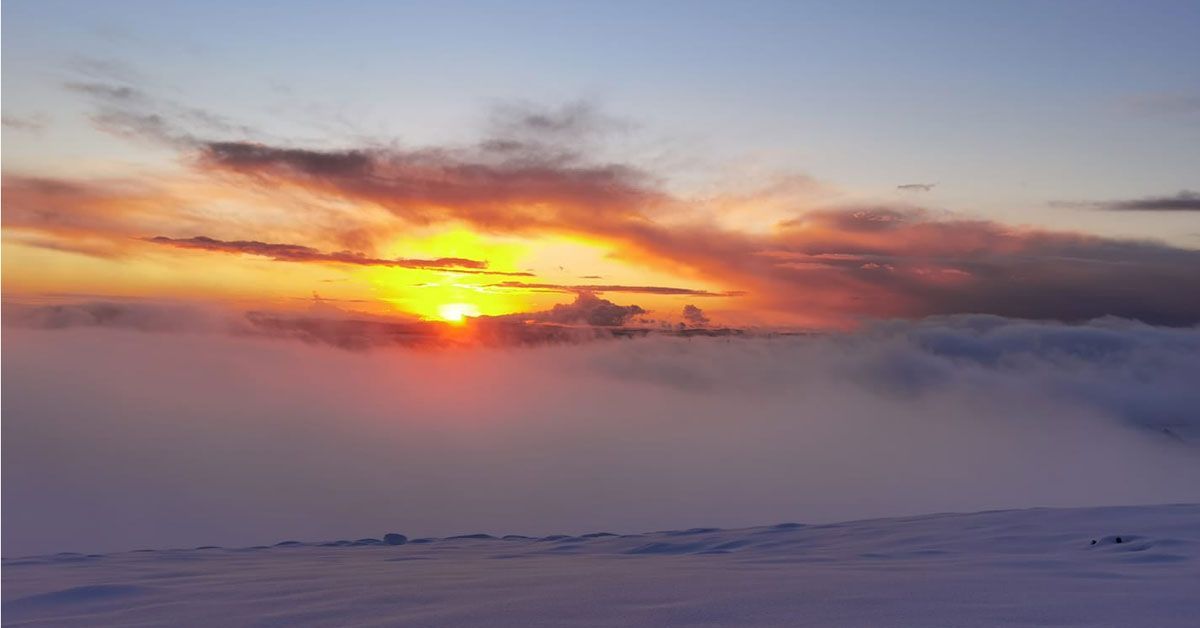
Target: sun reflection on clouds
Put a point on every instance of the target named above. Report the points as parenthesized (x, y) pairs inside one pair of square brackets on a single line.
[(445, 295), (449, 296)]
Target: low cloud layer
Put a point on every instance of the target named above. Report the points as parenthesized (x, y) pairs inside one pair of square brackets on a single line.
[(588, 318), (118, 439)]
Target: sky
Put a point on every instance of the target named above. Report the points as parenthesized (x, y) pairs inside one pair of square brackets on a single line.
[(318, 270), (771, 164)]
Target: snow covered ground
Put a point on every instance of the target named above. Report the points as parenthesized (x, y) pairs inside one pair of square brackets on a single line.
[(1018, 567)]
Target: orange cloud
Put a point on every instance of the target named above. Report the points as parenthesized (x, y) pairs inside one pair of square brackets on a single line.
[(828, 266), (822, 266)]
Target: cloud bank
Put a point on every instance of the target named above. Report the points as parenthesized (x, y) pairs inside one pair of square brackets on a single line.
[(118, 438)]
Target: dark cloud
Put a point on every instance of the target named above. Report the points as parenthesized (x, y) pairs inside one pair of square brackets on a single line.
[(916, 187), (586, 309), (920, 266), (247, 156), (132, 315), (300, 253), (323, 323), (351, 334), (423, 186), (1184, 201), (694, 316)]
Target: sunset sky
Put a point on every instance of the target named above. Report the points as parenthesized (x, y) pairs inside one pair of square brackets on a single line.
[(799, 165), (283, 279)]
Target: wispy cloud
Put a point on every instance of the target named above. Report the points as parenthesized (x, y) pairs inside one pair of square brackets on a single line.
[(33, 123), (601, 288), (97, 218), (299, 253), (1177, 103), (130, 112), (1184, 201)]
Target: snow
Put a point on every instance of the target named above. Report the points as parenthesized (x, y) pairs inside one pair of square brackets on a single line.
[(1034, 567)]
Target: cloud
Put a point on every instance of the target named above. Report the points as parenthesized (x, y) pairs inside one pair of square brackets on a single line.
[(587, 319), (586, 309), (829, 265), (623, 436), (135, 315), (300, 253), (132, 113), (528, 193), (1184, 201), (91, 217), (1167, 103), (916, 187), (694, 316), (35, 123), (517, 128), (913, 263), (599, 288), (105, 70)]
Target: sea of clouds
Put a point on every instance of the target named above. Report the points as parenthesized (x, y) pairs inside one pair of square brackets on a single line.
[(150, 435)]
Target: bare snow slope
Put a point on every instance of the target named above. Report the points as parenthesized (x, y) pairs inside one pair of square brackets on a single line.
[(1018, 567)]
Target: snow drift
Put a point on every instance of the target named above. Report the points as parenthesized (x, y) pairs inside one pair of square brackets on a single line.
[(1080, 567)]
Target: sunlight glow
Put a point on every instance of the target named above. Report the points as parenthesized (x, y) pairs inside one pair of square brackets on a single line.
[(457, 312)]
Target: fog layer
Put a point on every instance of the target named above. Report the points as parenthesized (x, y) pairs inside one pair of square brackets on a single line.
[(117, 439)]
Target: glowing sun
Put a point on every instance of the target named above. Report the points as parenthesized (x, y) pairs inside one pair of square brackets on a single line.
[(457, 312)]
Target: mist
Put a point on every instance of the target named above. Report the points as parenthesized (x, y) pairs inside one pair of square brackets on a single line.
[(118, 439)]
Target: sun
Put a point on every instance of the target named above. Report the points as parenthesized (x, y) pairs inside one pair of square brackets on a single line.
[(457, 312)]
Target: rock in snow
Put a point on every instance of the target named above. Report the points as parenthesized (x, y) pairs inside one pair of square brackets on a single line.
[(996, 568), (395, 539)]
